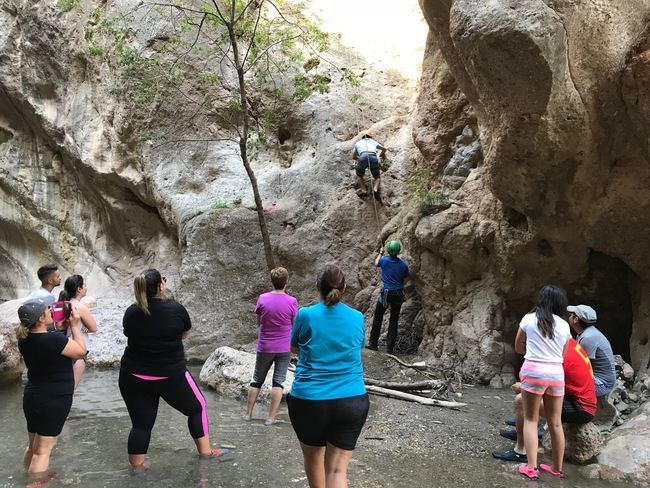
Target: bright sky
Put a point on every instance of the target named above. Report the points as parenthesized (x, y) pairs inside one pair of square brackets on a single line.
[(390, 34)]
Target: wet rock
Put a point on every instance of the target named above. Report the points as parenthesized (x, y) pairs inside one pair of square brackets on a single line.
[(229, 372), (583, 442), (625, 454), (11, 364)]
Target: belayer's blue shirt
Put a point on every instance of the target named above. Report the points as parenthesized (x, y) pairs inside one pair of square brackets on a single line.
[(329, 341), (393, 272)]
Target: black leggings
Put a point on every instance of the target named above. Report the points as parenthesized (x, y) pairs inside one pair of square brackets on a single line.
[(142, 396), (394, 300)]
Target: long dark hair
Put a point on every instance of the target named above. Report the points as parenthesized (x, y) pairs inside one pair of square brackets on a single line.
[(551, 300), (331, 284), (71, 287), (146, 287)]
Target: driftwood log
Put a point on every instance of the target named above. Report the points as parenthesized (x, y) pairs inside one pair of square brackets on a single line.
[(406, 386), (413, 398)]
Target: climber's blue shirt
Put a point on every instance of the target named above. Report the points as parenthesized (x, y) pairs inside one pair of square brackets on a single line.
[(393, 272)]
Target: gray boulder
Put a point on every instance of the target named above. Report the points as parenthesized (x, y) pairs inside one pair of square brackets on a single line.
[(229, 372), (583, 442), (626, 454), (11, 364)]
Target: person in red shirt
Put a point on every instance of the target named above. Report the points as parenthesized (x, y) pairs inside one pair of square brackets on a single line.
[(579, 406)]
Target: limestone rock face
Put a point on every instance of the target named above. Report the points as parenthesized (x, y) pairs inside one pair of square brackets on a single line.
[(83, 183), (229, 371), (626, 454), (583, 442), (557, 95)]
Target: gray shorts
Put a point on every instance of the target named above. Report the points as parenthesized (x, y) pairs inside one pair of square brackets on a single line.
[(263, 362)]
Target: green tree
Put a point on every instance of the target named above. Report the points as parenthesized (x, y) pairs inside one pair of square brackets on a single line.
[(250, 62)]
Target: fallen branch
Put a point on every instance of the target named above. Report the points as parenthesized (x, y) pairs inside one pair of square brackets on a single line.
[(406, 386), (418, 366), (414, 398)]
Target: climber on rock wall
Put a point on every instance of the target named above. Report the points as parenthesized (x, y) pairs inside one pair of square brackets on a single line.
[(365, 154), (394, 273)]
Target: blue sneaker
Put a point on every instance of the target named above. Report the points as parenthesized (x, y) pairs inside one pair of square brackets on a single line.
[(511, 421), (508, 434)]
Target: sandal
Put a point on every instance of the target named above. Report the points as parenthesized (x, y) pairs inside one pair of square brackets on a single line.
[(530, 473), (362, 194), (549, 469)]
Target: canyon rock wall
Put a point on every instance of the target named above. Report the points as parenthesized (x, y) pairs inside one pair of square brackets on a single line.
[(83, 183), (557, 94)]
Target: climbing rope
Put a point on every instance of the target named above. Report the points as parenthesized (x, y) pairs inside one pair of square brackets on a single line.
[(370, 179)]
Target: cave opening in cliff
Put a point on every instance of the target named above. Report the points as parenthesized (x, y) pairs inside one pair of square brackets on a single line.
[(608, 288)]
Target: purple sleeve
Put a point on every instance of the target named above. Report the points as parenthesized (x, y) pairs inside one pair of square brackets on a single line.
[(294, 308)]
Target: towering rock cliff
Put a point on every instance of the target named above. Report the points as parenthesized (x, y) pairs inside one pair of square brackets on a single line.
[(557, 94)]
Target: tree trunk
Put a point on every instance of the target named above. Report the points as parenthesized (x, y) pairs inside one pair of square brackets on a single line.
[(243, 150)]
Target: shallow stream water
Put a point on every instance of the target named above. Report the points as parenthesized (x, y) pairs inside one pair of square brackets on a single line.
[(403, 445)]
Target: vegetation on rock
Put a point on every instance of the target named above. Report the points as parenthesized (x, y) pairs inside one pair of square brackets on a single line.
[(239, 66)]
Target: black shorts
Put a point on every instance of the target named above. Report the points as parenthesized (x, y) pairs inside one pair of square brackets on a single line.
[(572, 413), (46, 414), (337, 422), (366, 160)]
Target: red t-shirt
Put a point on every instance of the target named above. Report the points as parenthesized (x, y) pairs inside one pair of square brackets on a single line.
[(579, 377)]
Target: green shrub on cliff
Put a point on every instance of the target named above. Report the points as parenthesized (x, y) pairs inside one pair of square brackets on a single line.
[(429, 200), (67, 5)]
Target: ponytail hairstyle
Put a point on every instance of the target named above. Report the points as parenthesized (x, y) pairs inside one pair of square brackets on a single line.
[(70, 288), (146, 287), (331, 284), (551, 301), (22, 331)]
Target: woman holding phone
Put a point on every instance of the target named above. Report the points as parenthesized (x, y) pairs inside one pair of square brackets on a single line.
[(47, 397)]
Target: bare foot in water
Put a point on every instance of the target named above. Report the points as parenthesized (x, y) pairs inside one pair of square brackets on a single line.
[(140, 468), (216, 453), (41, 480)]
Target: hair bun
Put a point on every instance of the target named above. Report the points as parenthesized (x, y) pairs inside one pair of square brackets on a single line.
[(333, 297)]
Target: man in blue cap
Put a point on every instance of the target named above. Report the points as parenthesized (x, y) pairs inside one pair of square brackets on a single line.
[(582, 319), (394, 272)]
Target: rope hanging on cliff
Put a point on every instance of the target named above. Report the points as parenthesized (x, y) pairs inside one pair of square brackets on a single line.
[(374, 200)]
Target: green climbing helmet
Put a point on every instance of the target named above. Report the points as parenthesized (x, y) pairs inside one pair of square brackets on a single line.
[(393, 248)]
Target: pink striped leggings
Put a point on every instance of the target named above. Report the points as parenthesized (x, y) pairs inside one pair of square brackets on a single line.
[(142, 394)]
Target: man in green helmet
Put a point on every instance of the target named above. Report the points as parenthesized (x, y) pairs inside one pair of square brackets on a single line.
[(394, 273)]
